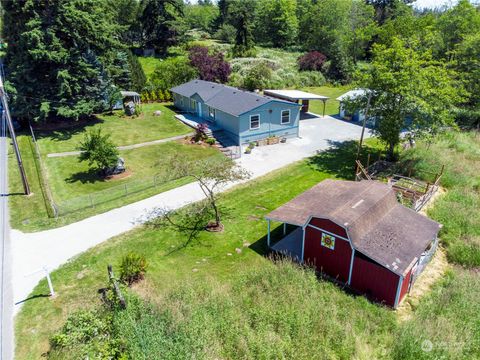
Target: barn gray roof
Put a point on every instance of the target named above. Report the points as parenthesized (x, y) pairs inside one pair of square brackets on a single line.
[(225, 98), (378, 226)]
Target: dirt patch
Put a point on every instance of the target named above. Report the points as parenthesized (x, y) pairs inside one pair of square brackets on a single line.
[(213, 227), (433, 272), (127, 173), (253, 218), (260, 207)]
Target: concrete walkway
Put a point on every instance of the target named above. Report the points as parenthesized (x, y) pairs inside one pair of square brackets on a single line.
[(53, 248), (125, 147)]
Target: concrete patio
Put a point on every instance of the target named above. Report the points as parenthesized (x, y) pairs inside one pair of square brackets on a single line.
[(290, 245)]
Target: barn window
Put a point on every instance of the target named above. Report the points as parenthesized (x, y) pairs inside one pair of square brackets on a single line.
[(328, 241), (254, 122), (285, 116)]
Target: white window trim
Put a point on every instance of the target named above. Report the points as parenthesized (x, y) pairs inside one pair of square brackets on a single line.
[(211, 112), (281, 117), (255, 128)]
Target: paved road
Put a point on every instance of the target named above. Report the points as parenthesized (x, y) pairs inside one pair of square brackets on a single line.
[(6, 299), (125, 147), (53, 248)]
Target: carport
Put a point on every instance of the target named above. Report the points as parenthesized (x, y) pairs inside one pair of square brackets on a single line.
[(296, 96)]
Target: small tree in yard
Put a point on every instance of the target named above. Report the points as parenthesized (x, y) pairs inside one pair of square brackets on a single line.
[(405, 84), (212, 176), (98, 150)]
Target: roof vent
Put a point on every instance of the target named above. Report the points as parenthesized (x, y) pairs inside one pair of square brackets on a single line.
[(258, 99), (234, 92)]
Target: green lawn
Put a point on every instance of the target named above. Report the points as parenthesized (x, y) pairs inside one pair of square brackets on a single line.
[(149, 64), (75, 187), (124, 130), (210, 301), (332, 106)]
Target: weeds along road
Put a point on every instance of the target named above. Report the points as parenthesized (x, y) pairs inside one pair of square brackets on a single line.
[(6, 296)]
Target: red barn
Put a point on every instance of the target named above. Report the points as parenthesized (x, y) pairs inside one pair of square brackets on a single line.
[(358, 234)]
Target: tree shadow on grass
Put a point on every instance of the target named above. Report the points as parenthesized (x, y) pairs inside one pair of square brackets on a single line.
[(339, 159), (66, 131), (85, 177)]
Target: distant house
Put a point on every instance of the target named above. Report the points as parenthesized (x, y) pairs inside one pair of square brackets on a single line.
[(244, 116), (358, 234), (357, 115)]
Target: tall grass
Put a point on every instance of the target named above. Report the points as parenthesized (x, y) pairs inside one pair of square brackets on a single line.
[(447, 322), (458, 210), (267, 312)]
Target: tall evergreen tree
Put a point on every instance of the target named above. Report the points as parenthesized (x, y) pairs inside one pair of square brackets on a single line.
[(241, 16), (59, 57), (160, 22)]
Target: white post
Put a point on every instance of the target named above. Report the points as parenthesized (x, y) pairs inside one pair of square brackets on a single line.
[(49, 280), (268, 234), (284, 229), (303, 243)]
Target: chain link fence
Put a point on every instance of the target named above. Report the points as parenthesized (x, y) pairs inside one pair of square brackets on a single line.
[(42, 176), (98, 199), (113, 193)]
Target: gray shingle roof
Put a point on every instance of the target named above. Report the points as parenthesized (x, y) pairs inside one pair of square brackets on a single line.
[(225, 98), (378, 226)]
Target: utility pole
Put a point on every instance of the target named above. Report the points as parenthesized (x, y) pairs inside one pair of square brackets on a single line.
[(6, 116), (363, 128)]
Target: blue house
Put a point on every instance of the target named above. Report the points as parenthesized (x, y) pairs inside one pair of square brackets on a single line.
[(244, 116)]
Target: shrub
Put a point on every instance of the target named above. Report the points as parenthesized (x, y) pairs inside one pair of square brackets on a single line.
[(210, 67), (259, 77), (312, 61), (210, 141), (226, 33), (160, 96), (468, 118), (132, 268), (172, 72), (200, 132), (80, 327)]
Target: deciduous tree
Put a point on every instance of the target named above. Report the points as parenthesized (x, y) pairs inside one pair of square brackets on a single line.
[(276, 22), (98, 150), (409, 91)]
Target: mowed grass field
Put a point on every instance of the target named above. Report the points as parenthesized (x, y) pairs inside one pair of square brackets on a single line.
[(124, 130), (220, 297), (332, 105)]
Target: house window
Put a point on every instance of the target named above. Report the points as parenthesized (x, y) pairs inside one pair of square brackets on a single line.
[(285, 116), (211, 112), (254, 122)]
